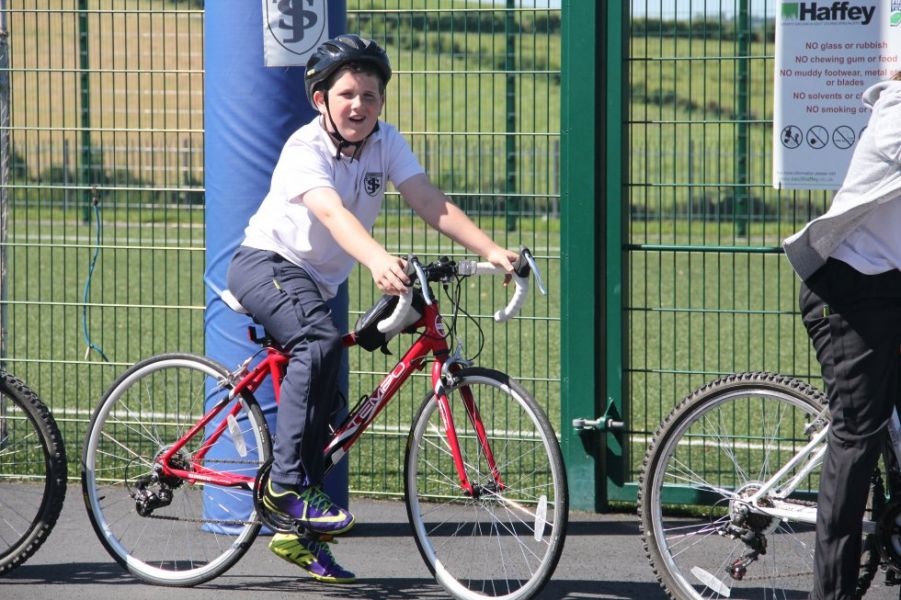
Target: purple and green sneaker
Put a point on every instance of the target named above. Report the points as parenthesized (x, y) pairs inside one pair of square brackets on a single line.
[(313, 556), (310, 507)]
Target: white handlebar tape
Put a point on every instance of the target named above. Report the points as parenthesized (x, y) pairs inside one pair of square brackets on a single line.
[(516, 302), (519, 294), (396, 319)]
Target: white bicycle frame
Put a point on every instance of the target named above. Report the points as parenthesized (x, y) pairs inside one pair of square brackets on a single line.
[(774, 490)]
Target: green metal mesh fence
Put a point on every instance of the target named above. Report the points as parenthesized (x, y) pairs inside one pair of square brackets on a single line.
[(476, 92), (709, 291), (105, 187), (105, 162)]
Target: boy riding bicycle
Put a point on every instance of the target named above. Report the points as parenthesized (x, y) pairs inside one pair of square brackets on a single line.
[(327, 190)]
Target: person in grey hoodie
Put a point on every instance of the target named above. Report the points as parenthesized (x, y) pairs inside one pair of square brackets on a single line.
[(849, 261)]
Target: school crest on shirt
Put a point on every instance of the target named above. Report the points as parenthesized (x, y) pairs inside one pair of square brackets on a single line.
[(372, 183)]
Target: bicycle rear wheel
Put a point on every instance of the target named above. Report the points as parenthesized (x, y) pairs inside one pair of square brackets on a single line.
[(33, 472), (166, 529), (504, 541), (714, 450)]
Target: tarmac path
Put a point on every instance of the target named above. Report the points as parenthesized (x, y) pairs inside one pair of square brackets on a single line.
[(603, 559)]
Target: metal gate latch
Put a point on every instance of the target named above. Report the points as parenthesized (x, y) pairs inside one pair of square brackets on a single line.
[(605, 423)]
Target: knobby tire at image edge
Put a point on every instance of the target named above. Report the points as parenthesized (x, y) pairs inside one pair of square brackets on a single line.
[(40, 418)]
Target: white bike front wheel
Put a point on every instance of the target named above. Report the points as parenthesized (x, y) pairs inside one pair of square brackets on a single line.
[(503, 540)]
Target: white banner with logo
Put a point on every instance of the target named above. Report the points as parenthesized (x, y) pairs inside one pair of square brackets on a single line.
[(292, 30), (827, 54)]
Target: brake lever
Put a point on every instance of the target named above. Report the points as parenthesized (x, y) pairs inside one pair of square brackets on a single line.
[(423, 280), (527, 254)]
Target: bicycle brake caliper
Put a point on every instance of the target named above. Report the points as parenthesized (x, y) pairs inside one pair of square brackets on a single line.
[(456, 358), (240, 371)]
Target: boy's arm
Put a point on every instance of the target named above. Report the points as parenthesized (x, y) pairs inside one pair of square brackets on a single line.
[(437, 210), (387, 270)]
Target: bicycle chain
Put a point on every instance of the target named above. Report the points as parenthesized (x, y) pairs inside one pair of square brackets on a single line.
[(202, 521), (212, 521), (780, 576)]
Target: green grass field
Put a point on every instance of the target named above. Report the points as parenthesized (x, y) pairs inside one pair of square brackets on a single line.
[(690, 317)]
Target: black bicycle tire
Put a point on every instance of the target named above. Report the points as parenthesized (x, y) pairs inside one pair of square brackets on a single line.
[(706, 394), (555, 457), (251, 405), (56, 472)]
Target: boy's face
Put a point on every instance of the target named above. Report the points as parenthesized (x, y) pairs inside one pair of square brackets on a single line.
[(355, 102)]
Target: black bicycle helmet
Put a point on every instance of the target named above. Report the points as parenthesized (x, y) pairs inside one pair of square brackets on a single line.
[(339, 51)]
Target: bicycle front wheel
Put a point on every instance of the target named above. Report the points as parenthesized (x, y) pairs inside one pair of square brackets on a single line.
[(504, 539), (33, 472), (170, 527), (717, 448)]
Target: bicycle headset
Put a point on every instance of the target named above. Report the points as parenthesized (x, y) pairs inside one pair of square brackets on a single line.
[(328, 58)]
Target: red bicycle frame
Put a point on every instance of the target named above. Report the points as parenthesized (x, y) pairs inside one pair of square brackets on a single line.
[(432, 341)]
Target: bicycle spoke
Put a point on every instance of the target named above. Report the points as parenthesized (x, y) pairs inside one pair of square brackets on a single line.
[(694, 479)]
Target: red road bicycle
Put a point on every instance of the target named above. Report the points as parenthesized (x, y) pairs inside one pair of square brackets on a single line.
[(178, 439)]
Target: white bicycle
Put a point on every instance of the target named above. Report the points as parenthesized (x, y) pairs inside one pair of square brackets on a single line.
[(728, 492)]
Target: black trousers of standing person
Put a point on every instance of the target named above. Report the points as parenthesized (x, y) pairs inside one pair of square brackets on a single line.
[(854, 322)]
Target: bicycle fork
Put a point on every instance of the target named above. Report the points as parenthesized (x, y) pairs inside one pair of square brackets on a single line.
[(441, 377)]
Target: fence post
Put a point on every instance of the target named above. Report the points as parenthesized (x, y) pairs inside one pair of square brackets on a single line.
[(579, 249), (87, 176), (511, 200), (592, 282), (615, 202), (4, 174), (66, 175), (740, 204)]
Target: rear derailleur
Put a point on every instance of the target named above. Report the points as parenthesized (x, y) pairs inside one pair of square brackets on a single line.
[(756, 543), (751, 529), (155, 490), (148, 500)]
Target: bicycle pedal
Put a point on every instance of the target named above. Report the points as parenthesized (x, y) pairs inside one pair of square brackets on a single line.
[(313, 535)]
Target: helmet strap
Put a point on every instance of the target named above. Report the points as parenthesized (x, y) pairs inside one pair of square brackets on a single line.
[(339, 139)]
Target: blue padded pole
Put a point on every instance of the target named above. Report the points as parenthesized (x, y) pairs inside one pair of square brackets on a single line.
[(249, 112)]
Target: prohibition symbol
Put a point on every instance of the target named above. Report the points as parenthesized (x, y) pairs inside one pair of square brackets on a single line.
[(843, 137), (791, 137), (817, 137)]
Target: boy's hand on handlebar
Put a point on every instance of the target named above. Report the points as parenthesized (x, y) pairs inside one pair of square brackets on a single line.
[(504, 259), (388, 274)]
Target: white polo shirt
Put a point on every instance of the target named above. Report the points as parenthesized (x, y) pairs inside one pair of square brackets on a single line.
[(284, 225)]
